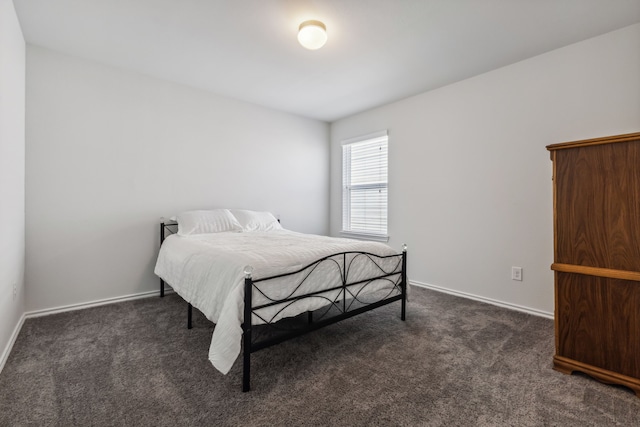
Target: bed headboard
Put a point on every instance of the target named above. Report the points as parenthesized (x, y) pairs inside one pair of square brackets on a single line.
[(167, 228)]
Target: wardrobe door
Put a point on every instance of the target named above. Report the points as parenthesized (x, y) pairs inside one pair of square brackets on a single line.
[(598, 206)]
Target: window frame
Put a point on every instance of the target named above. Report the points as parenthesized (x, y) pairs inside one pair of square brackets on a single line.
[(346, 187)]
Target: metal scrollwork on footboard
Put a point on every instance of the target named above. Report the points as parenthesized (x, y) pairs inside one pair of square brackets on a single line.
[(275, 316)]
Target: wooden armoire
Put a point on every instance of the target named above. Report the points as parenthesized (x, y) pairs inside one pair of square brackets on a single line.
[(596, 217)]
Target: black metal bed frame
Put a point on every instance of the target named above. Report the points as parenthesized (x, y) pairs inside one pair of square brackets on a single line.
[(344, 305)]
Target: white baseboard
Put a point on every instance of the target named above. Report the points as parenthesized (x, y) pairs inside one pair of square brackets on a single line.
[(12, 340), (97, 303), (491, 301)]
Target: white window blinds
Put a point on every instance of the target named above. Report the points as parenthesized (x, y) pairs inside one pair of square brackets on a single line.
[(364, 190)]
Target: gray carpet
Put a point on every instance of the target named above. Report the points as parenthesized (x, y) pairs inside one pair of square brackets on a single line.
[(454, 362)]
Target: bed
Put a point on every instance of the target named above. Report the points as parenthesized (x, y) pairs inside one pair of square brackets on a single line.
[(234, 265)]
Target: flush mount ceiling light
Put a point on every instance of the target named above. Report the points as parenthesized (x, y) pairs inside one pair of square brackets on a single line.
[(312, 34)]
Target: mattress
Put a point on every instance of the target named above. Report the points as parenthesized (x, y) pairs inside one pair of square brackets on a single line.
[(208, 271)]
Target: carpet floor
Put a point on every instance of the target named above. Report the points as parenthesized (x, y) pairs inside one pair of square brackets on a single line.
[(454, 362)]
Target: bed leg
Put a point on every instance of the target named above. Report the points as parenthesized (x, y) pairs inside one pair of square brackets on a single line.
[(246, 332), (403, 311), (189, 316), (246, 370), (310, 317), (161, 240)]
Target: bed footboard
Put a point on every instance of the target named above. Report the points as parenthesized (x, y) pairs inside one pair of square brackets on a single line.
[(347, 299)]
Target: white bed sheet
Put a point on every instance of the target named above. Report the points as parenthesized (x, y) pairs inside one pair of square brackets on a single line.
[(208, 272)]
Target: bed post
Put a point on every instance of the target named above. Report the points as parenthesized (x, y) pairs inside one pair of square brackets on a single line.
[(161, 240), (344, 283), (246, 330), (404, 283)]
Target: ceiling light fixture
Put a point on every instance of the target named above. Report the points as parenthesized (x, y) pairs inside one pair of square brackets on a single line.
[(312, 34)]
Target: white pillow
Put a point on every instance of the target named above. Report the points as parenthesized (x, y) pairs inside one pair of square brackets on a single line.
[(256, 221), (203, 222)]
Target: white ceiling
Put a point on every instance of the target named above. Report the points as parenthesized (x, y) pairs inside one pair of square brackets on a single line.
[(378, 50)]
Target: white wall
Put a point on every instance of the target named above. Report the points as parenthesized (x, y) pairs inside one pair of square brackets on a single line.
[(470, 179), (109, 152), (12, 192)]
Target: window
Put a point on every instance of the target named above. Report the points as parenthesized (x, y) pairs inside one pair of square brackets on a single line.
[(364, 186)]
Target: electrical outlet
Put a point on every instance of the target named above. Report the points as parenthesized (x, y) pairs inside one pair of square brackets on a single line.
[(516, 273), (15, 291)]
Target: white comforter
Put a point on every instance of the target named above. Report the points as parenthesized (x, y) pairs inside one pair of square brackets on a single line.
[(208, 272)]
